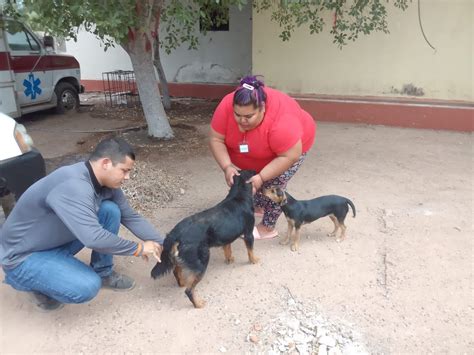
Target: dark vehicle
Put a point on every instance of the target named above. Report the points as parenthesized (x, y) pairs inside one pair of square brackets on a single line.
[(21, 164)]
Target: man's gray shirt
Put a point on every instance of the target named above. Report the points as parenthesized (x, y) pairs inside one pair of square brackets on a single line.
[(63, 207)]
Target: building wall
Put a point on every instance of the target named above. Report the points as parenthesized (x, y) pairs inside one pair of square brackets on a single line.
[(378, 64), (222, 57)]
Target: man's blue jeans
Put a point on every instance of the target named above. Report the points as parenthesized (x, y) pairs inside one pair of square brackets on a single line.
[(59, 275)]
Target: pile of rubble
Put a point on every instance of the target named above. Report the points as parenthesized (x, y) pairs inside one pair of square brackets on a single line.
[(150, 187), (302, 330)]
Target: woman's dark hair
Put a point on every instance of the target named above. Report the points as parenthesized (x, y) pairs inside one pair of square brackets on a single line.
[(250, 92), (116, 149)]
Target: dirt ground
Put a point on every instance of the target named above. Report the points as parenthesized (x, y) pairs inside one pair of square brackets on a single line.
[(400, 283)]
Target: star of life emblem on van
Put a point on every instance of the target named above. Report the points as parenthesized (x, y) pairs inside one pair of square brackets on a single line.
[(32, 86)]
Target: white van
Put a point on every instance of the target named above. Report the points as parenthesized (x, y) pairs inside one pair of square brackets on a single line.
[(32, 76)]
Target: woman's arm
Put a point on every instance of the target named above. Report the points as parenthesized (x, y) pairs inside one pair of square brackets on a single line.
[(219, 151), (278, 165)]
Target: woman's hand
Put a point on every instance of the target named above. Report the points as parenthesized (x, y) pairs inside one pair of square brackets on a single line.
[(229, 172), (257, 182)]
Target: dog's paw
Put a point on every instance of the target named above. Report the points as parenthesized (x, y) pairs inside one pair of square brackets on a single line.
[(284, 242), (229, 260), (199, 304), (331, 234), (180, 283), (294, 247), (339, 240), (254, 260)]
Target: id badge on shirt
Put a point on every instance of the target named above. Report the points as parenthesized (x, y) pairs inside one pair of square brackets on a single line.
[(243, 147)]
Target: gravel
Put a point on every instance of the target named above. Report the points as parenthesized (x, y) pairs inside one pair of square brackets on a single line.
[(150, 188), (302, 329)]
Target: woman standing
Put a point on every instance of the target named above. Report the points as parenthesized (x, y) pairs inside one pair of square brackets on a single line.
[(265, 130)]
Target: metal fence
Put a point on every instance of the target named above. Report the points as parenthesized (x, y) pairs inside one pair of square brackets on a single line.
[(120, 88)]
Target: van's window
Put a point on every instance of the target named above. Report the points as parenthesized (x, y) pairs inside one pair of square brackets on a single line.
[(19, 39)]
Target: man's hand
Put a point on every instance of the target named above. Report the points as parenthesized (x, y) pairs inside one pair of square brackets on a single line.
[(152, 248)]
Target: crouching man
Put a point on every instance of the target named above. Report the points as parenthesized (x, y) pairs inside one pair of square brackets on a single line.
[(76, 206)]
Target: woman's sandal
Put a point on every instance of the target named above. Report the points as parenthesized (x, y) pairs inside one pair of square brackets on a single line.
[(258, 213), (257, 235)]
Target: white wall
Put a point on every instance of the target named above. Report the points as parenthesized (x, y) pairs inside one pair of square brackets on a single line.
[(222, 57)]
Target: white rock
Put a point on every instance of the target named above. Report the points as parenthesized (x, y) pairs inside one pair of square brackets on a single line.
[(327, 340), (302, 349), (302, 338), (335, 351), (322, 350), (320, 332), (319, 319), (353, 348), (306, 330), (293, 323), (222, 349)]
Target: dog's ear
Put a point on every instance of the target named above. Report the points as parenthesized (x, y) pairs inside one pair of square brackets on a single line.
[(237, 178), (247, 174), (242, 179), (280, 192), (282, 195)]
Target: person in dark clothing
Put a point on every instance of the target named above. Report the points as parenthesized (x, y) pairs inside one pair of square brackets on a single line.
[(76, 206)]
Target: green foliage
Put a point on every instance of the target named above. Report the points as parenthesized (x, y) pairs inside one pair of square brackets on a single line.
[(350, 18), (181, 20), (110, 20)]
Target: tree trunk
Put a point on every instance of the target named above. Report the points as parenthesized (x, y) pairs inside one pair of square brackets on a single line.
[(155, 115), (161, 76)]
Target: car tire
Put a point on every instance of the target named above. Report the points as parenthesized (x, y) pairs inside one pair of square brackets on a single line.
[(68, 97)]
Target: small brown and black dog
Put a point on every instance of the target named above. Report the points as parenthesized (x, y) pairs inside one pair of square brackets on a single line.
[(298, 213), (186, 248)]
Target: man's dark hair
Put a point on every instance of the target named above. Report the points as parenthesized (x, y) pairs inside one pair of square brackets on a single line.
[(116, 149)]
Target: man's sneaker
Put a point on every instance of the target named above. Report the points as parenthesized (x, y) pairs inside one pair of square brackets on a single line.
[(45, 303), (118, 282)]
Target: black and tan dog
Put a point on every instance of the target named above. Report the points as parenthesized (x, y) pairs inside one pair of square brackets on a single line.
[(298, 213), (186, 247)]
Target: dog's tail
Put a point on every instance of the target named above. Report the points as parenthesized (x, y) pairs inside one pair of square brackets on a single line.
[(352, 206), (170, 247)]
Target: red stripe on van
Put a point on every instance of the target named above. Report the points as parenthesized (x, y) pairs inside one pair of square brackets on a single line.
[(21, 64), (4, 61)]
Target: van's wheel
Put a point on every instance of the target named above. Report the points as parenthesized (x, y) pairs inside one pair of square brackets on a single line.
[(68, 97)]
